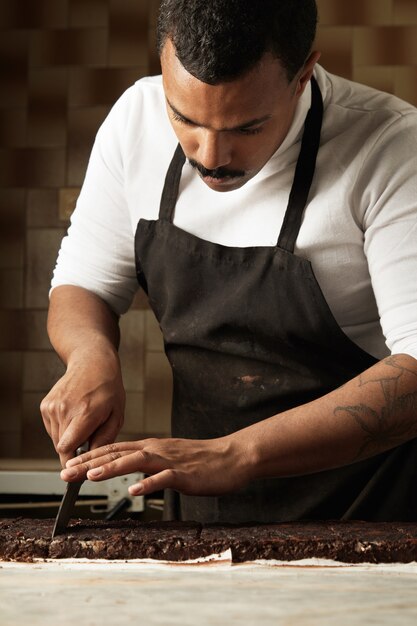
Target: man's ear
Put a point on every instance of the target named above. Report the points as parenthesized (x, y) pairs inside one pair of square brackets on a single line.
[(306, 73)]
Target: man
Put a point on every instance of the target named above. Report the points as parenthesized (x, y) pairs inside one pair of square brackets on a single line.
[(277, 244)]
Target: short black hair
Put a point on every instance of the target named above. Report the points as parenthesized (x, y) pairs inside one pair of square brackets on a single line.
[(220, 40)]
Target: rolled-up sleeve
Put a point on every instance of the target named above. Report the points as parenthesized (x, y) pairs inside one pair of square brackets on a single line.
[(98, 251), (391, 231)]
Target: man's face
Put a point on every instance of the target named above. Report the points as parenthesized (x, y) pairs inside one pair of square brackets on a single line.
[(230, 130)]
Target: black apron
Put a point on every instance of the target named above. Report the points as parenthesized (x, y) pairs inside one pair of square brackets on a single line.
[(249, 334)]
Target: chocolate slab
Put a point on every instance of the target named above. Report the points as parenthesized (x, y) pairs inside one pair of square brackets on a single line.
[(351, 542)]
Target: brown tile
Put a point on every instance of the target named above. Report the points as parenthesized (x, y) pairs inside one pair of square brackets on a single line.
[(23, 330), (42, 251), (48, 85), (158, 381), (36, 442), (68, 197), (37, 445), (11, 374), (132, 326), (11, 288), (10, 445), (153, 335), (140, 300), (134, 414), (335, 43), (12, 330), (354, 12), (42, 369), (68, 47), (390, 45), (31, 413), (382, 78), (30, 14), (14, 47), (83, 125), (11, 200), (405, 12), (36, 334), (32, 167), (8, 425), (88, 13), (153, 12), (91, 87), (47, 107), (154, 65), (12, 228), (11, 247), (406, 84), (128, 30), (42, 209), (13, 124)]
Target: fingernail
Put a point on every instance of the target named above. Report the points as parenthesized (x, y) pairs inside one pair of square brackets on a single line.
[(135, 490), (68, 473), (95, 472)]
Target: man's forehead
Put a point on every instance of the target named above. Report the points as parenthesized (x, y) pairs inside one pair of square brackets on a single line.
[(239, 101)]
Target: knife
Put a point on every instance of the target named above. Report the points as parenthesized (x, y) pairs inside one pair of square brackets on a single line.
[(68, 501)]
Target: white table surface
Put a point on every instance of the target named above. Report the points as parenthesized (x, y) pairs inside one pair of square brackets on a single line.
[(115, 594)]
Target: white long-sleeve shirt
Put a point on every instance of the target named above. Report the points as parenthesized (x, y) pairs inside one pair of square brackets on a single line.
[(359, 229)]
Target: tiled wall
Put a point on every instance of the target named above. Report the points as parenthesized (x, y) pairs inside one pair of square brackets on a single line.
[(373, 42), (64, 62)]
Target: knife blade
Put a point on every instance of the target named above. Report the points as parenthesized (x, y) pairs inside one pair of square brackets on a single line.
[(68, 500)]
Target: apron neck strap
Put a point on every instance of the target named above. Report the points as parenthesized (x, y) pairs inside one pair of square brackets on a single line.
[(171, 186), (304, 171)]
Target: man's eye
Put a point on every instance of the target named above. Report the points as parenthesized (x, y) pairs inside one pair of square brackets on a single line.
[(178, 118), (250, 131)]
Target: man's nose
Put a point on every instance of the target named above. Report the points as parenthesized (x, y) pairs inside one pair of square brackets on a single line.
[(214, 149)]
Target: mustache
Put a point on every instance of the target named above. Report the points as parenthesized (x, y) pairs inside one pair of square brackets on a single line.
[(219, 172)]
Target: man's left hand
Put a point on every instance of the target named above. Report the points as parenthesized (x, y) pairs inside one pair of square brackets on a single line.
[(194, 467)]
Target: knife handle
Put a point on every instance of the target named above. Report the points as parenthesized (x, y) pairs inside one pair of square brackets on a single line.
[(83, 448)]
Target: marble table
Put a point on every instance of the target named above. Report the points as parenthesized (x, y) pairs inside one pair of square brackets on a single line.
[(115, 594)]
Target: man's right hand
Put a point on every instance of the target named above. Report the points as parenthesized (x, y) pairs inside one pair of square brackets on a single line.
[(87, 403)]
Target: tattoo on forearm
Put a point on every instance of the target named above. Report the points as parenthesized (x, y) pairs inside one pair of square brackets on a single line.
[(395, 422)]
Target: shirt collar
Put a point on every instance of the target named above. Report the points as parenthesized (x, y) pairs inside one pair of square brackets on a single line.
[(284, 154)]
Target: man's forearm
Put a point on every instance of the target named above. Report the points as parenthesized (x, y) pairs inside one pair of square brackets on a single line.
[(78, 320), (371, 413), (87, 403)]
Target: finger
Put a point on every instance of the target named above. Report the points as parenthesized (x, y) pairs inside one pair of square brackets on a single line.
[(46, 417), (167, 479), (51, 419), (65, 455), (104, 435), (64, 458), (136, 461), (109, 466), (109, 450), (52, 426), (73, 435)]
